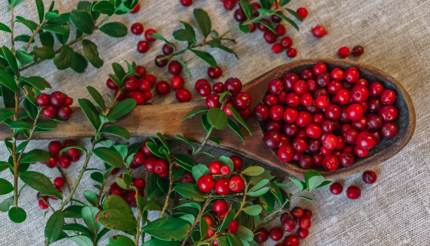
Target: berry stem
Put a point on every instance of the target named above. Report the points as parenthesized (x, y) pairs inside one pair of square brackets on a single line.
[(169, 192), (197, 220), (204, 141)]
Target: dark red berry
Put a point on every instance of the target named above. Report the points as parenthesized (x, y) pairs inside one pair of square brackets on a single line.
[(220, 207), (261, 235), (369, 177), (291, 52), (59, 182), (183, 95), (137, 28), (276, 233), (186, 3), (43, 99), (357, 50), (175, 68), (49, 112), (162, 88), (64, 161), (143, 46), (353, 192), (336, 188), (177, 82), (148, 34), (214, 72)]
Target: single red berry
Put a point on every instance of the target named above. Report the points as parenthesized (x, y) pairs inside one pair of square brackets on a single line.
[(357, 50), (59, 182), (286, 42), (343, 52), (162, 88), (236, 184), (177, 82), (140, 71), (220, 207), (353, 192), (139, 183), (111, 85), (203, 88), (229, 4), (277, 48), (58, 98), (214, 72), (43, 99), (218, 87), (135, 9), (285, 153), (280, 30), (175, 68), (239, 15), (43, 204), (64, 113), (336, 188), (388, 97), (319, 31), (303, 233), (186, 3), (215, 167), (354, 112), (54, 147), (225, 170), (64, 161), (237, 162), (302, 12), (143, 46), (148, 34), (305, 222), (161, 60), (206, 183), (233, 85), (331, 162), (137, 28), (222, 187), (183, 95), (74, 154), (212, 101), (261, 235), (49, 112), (52, 162), (276, 233), (389, 130), (369, 177), (270, 37), (291, 52), (242, 101), (233, 227), (291, 240)]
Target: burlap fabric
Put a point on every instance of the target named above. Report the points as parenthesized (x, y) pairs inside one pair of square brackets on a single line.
[(396, 34)]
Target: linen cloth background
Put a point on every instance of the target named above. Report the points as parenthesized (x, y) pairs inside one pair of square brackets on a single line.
[(396, 35)]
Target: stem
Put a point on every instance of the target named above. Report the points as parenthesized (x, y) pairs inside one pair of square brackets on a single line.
[(12, 27), (33, 35), (169, 192), (65, 178), (242, 204), (270, 216), (197, 220), (138, 226), (205, 140)]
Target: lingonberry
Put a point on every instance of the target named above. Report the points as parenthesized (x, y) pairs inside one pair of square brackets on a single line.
[(214, 167), (186, 3), (43, 99), (389, 130), (54, 147), (43, 203), (214, 72), (289, 224), (139, 183), (183, 95), (148, 34), (376, 89), (353, 192), (212, 101), (276, 233), (305, 222), (111, 85), (285, 153), (280, 30), (369, 177), (286, 42), (313, 131), (270, 37), (220, 207), (319, 31), (261, 235), (233, 227), (302, 12), (237, 162), (177, 82), (64, 113), (360, 94), (222, 187), (343, 52), (354, 112), (218, 87), (225, 170), (277, 48), (270, 100), (331, 162), (202, 87), (242, 101), (236, 184), (346, 159), (59, 182), (64, 161), (388, 97), (357, 50), (52, 162), (290, 115), (361, 152), (160, 166), (161, 60), (389, 113), (292, 52), (175, 67), (135, 9), (49, 112), (239, 15), (275, 86), (337, 74), (336, 188), (136, 28), (300, 145), (229, 4), (303, 119), (206, 183), (276, 112), (352, 75), (162, 88), (143, 46), (263, 112), (74, 154)]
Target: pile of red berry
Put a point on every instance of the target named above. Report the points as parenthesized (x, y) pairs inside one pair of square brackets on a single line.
[(240, 100), (296, 224), (326, 117), (220, 180), (152, 164), (55, 105), (65, 159)]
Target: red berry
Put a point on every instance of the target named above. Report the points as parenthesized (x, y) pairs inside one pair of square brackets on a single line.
[(64, 113), (291, 240), (215, 167), (218, 87), (220, 207), (303, 233), (388, 97), (177, 82), (288, 223), (212, 101), (49, 112), (233, 227), (270, 37), (233, 85), (52, 162), (389, 130), (319, 31), (74, 154), (58, 98), (135, 9), (143, 46), (222, 187), (236, 184), (280, 30), (353, 192), (203, 88), (331, 162), (43, 99), (175, 68), (261, 235), (336, 188), (276, 233), (237, 162), (206, 183), (285, 153), (43, 204), (277, 48), (369, 177), (160, 167), (225, 170), (59, 182), (291, 52), (186, 3), (357, 50), (343, 52), (162, 88), (297, 212), (302, 12), (64, 162), (136, 28), (111, 85), (242, 101), (214, 72), (305, 222), (148, 34), (366, 140), (54, 147), (183, 95), (354, 112), (389, 113), (286, 42)]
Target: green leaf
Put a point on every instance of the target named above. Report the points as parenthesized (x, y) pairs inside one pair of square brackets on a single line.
[(35, 155), (189, 191), (194, 205), (161, 37), (324, 183), (167, 229), (194, 113), (4, 28), (23, 57), (216, 43), (3, 166), (301, 185), (22, 38), (185, 161), (82, 240), (206, 125), (10, 58), (89, 217), (199, 170), (104, 7), (217, 118), (36, 82), (237, 117), (90, 112), (20, 125), (119, 72), (314, 182), (8, 81), (117, 131), (63, 59), (43, 52), (260, 184), (188, 218), (287, 19), (284, 2), (56, 28), (266, 4), (5, 204), (14, 3), (83, 21), (77, 228), (186, 34), (121, 109), (116, 219), (227, 220), (73, 211), (91, 197), (26, 22), (110, 156), (253, 210), (54, 226), (203, 21), (116, 202), (5, 187), (253, 171), (40, 10), (47, 39), (17, 214), (245, 234), (259, 192), (203, 228), (206, 57), (39, 182), (5, 114), (120, 240), (78, 63), (91, 53), (246, 7), (97, 97), (114, 29), (226, 160)]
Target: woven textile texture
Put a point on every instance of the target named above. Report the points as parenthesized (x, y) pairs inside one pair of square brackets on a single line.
[(396, 35)]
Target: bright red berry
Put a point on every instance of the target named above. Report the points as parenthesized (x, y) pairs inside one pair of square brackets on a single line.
[(236, 184), (302, 12), (343, 52), (206, 183), (353, 192), (319, 31)]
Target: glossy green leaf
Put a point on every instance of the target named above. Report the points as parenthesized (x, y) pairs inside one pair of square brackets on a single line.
[(116, 131), (253, 171), (5, 187), (5, 204), (189, 191), (194, 113), (4, 28), (35, 155), (47, 39), (89, 217), (206, 57), (246, 7), (91, 53), (40, 10), (199, 170), (259, 192), (17, 214), (90, 112), (167, 229), (203, 21), (114, 29), (10, 58), (120, 240), (237, 117), (121, 109), (22, 38), (36, 82), (8, 81), (78, 63), (54, 226), (40, 182), (26, 22), (116, 219), (110, 156), (104, 7), (83, 21), (5, 114), (97, 97), (217, 118), (56, 28), (63, 59), (43, 52), (82, 240), (227, 220), (301, 185), (253, 210), (23, 57)]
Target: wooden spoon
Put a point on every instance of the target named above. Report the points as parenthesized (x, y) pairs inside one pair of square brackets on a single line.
[(168, 119)]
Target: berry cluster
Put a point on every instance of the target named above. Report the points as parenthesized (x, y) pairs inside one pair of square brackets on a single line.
[(345, 52), (296, 224), (129, 195), (221, 179), (143, 46), (55, 105), (326, 118), (238, 99), (353, 192), (65, 159), (152, 164)]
